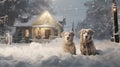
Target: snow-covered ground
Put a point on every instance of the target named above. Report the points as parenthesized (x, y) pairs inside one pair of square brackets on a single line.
[(51, 55)]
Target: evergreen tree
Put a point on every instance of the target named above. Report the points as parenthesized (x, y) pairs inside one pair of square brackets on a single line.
[(99, 18), (14, 8)]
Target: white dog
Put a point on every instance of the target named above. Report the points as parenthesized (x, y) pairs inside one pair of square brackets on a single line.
[(8, 38), (86, 44), (68, 44)]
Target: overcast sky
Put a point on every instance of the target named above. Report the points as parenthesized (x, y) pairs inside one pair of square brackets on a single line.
[(73, 10), (69, 8)]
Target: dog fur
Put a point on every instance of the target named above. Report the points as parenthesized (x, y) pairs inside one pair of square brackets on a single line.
[(68, 45), (86, 43)]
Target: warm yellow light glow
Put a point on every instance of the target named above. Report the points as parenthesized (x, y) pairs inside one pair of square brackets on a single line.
[(27, 33), (46, 17), (43, 31), (114, 8), (36, 31)]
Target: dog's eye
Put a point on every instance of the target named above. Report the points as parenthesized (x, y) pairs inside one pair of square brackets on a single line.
[(69, 34), (88, 32)]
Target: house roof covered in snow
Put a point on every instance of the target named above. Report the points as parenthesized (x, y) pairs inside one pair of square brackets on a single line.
[(19, 23), (45, 19)]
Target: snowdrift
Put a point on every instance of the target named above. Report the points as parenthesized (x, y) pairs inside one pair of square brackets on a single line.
[(51, 55)]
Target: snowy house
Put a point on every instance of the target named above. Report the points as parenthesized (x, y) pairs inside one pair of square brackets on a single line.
[(39, 27)]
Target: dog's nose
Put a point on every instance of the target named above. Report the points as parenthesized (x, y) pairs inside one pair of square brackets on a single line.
[(86, 36), (67, 38)]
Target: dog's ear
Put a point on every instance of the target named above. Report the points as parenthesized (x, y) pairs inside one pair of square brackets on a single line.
[(81, 32), (72, 33), (62, 34), (91, 31)]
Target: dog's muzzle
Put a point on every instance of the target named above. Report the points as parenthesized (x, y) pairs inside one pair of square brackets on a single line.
[(68, 38), (86, 37)]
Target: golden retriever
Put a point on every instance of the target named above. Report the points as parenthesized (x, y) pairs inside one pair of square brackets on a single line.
[(68, 44), (86, 43)]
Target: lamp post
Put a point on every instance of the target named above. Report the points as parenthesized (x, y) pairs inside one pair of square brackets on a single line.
[(115, 22)]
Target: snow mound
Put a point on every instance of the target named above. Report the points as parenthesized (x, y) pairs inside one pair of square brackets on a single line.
[(50, 55), (35, 45)]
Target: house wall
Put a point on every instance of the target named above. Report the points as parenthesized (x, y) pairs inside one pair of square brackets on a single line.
[(43, 32), (20, 34)]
